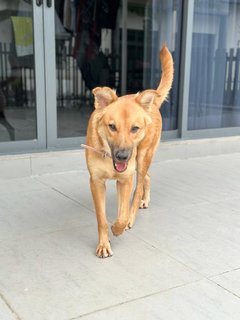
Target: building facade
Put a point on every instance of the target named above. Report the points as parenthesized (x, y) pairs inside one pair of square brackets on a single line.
[(53, 53)]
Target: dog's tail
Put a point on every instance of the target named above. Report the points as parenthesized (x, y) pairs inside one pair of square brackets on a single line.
[(167, 75)]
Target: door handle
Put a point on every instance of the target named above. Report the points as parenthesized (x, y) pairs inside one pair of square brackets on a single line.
[(49, 3), (39, 2)]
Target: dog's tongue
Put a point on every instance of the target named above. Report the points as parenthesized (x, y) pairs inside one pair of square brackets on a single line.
[(120, 166)]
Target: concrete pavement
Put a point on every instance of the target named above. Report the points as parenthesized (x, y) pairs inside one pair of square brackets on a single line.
[(180, 261)]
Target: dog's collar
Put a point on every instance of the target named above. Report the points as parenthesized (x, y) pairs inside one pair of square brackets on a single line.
[(102, 152)]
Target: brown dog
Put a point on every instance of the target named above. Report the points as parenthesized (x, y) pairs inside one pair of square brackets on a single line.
[(128, 130)]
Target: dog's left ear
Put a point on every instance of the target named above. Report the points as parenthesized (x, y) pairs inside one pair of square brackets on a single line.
[(147, 98), (103, 96)]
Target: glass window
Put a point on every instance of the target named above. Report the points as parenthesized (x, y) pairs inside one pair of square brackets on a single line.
[(214, 96), (150, 24), (89, 53), (17, 75), (87, 34)]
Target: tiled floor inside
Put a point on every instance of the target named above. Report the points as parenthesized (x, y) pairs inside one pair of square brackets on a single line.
[(181, 261)]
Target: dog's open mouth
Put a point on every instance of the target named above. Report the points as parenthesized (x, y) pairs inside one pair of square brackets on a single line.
[(120, 166)]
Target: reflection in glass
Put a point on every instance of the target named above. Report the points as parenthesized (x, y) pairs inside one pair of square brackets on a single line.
[(89, 54), (150, 24), (214, 96), (17, 85)]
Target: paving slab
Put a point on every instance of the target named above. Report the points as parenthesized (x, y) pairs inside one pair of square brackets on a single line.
[(201, 300), (27, 214), (204, 237), (230, 281), (5, 311), (75, 185), (180, 261), (57, 276)]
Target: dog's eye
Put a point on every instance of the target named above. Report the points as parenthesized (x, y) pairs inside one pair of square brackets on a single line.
[(112, 127), (134, 129)]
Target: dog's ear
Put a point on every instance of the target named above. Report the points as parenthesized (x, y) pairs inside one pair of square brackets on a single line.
[(147, 98), (103, 96)]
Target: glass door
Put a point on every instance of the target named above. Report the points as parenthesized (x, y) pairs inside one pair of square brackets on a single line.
[(22, 112), (88, 54), (150, 24), (214, 95), (108, 43), (53, 53)]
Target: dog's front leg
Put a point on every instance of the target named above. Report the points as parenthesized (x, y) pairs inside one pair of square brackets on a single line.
[(98, 189), (124, 189)]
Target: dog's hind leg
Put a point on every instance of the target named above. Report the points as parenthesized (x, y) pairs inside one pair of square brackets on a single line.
[(142, 169), (146, 192), (124, 189), (98, 192), (138, 193), (142, 191)]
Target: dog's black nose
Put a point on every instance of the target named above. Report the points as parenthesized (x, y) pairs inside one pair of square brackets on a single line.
[(122, 155)]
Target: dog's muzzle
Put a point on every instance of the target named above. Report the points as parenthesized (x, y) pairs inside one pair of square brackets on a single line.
[(120, 159)]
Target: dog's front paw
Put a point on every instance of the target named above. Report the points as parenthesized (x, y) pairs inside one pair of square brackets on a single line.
[(104, 250), (144, 203), (118, 228)]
